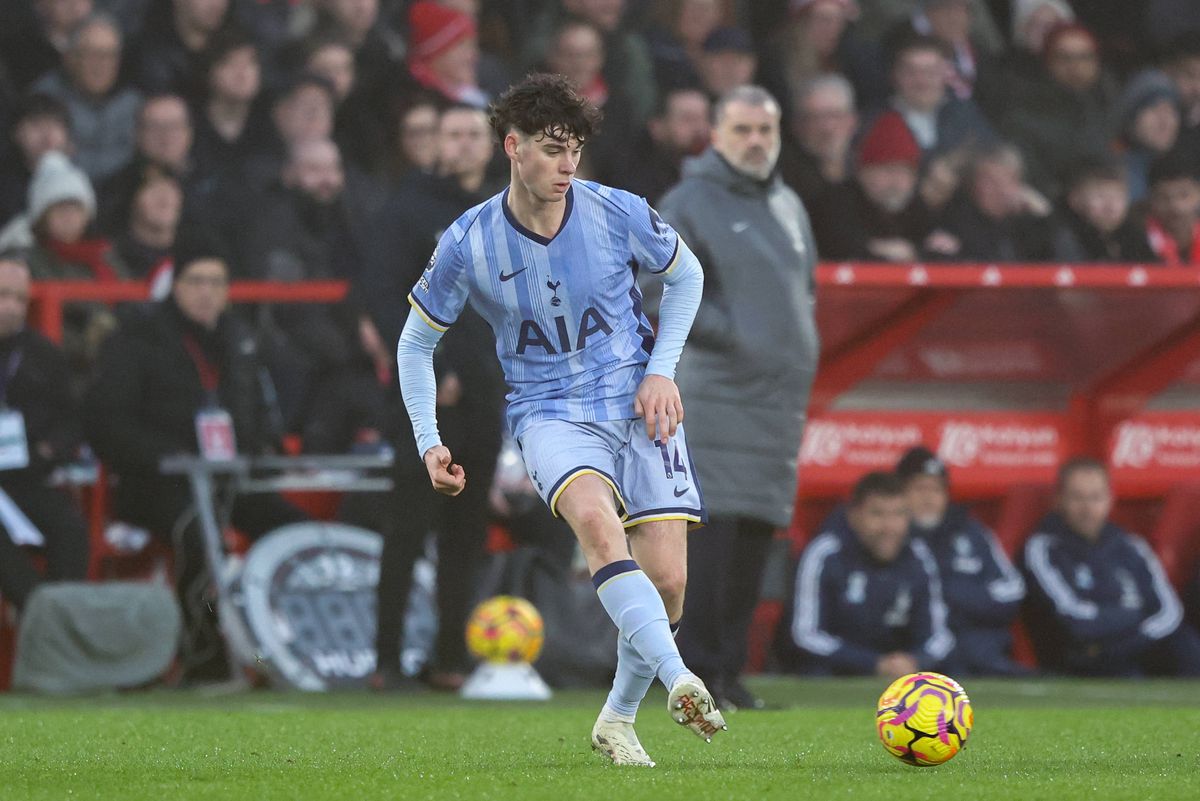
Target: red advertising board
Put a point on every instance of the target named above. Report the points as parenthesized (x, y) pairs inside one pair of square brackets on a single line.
[(985, 450), (1160, 448)]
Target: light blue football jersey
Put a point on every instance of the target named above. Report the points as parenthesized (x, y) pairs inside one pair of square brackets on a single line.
[(566, 311)]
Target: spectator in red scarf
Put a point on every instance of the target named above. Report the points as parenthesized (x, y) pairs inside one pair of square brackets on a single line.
[(54, 229), (1173, 224), (54, 234)]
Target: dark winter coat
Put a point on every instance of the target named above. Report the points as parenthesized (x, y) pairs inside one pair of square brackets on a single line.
[(847, 220), (1019, 238), (850, 609), (1095, 607), (143, 403), (983, 590), (1075, 240), (40, 388), (1055, 128), (748, 367)]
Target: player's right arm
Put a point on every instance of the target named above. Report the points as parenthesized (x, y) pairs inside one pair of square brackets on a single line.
[(437, 300), (418, 385)]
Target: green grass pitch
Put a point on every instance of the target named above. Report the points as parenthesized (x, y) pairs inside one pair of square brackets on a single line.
[(1058, 740)]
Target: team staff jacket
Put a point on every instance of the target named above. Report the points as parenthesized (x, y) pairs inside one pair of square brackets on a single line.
[(1104, 600), (982, 588), (851, 609)]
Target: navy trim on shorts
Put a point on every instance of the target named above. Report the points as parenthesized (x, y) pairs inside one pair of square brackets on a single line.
[(669, 510), (572, 472)]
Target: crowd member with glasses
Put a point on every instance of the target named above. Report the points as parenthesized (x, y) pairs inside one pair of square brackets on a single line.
[(182, 376)]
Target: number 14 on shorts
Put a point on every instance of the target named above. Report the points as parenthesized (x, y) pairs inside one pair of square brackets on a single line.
[(672, 464)]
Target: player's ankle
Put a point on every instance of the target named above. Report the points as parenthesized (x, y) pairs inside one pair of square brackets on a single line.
[(608, 713)]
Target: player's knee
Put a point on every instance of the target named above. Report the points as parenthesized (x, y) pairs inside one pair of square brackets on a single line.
[(591, 518), (671, 581)]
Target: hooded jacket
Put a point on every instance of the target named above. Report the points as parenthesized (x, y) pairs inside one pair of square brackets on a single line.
[(748, 368)]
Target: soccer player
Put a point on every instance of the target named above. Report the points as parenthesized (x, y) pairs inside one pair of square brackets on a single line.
[(551, 264)]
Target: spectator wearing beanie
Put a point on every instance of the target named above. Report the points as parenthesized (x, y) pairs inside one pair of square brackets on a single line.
[(1147, 117), (61, 206), (1063, 114), (882, 218), (54, 235), (443, 52)]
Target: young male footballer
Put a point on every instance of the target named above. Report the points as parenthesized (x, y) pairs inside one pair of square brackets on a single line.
[(551, 264)]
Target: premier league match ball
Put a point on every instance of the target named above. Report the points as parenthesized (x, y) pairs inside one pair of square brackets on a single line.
[(505, 629), (924, 719)]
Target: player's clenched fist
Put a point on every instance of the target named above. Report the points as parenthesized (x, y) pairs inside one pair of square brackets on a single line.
[(447, 478), (658, 403)]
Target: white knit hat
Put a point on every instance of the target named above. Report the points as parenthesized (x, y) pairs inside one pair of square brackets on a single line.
[(56, 179), (1022, 10)]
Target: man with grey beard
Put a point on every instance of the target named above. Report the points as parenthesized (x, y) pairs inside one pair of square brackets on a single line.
[(746, 372)]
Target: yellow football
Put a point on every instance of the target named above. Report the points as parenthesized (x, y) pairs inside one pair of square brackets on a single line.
[(924, 719), (505, 629)]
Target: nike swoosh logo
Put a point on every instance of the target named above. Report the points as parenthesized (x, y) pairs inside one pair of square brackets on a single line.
[(510, 276), (679, 493), (738, 227)]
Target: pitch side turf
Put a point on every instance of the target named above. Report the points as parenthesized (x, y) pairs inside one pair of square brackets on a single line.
[(1033, 740)]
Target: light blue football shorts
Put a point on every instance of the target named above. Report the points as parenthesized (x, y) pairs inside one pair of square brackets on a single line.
[(649, 480)]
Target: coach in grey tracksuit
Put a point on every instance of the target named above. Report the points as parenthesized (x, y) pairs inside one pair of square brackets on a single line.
[(745, 374)]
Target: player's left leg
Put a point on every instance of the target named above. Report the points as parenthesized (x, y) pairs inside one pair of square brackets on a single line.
[(660, 546), (662, 498), (656, 547)]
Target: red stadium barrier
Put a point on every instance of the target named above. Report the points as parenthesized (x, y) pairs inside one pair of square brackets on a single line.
[(49, 297)]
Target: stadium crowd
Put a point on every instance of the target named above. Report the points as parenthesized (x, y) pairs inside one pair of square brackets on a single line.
[(191, 143)]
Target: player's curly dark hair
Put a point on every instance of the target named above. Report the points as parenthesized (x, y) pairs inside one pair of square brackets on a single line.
[(544, 103)]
